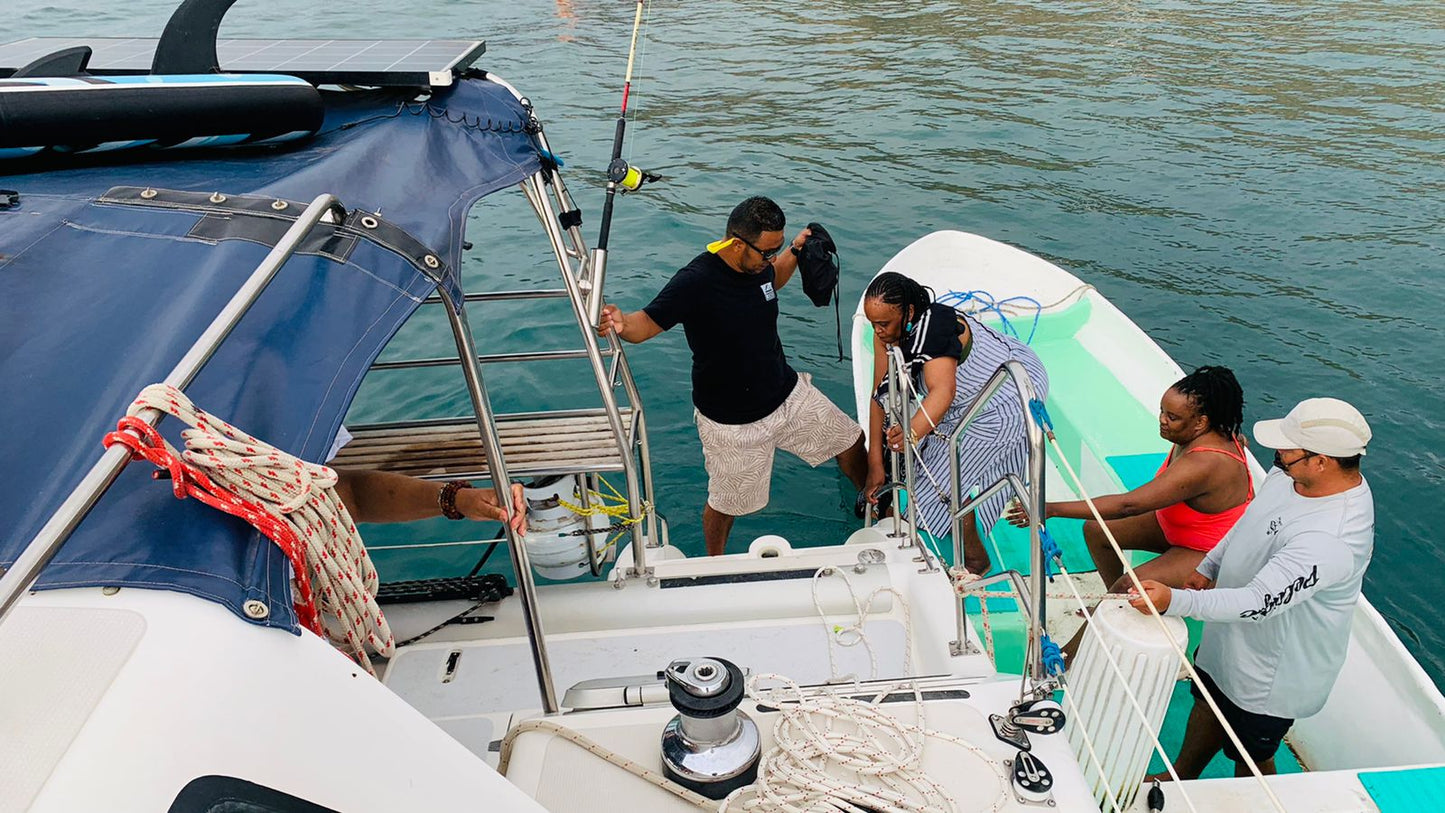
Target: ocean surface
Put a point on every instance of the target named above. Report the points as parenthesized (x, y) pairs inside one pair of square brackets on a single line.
[(1258, 184)]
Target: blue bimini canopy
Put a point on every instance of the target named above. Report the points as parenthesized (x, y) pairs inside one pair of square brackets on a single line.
[(110, 270)]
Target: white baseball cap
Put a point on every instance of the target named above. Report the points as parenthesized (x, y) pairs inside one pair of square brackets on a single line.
[(1325, 426)]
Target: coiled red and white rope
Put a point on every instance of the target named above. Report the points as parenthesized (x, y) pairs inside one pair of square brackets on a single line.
[(291, 501)]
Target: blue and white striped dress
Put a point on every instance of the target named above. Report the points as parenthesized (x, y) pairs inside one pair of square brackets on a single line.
[(996, 442)]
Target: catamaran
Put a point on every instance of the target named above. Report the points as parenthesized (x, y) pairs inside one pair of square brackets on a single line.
[(161, 654)]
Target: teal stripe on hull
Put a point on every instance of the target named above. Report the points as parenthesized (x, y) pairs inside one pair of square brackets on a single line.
[(1407, 791)]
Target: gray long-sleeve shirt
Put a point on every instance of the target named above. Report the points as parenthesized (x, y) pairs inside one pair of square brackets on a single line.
[(1287, 578)]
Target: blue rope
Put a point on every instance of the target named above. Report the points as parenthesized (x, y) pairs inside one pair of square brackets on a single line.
[(1041, 414), (995, 306), (1052, 656), (1053, 554)]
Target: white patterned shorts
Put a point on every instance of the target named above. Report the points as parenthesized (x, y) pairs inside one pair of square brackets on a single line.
[(739, 457)]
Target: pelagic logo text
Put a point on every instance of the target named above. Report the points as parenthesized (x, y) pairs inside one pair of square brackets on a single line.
[(1283, 597)]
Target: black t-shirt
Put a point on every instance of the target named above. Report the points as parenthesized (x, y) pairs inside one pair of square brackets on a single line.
[(739, 374), (935, 336)]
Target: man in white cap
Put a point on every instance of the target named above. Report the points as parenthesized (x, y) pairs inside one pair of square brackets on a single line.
[(1279, 589)]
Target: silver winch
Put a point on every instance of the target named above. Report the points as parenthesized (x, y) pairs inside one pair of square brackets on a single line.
[(711, 746)]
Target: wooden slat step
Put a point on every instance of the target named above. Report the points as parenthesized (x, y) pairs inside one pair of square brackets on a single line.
[(532, 445)]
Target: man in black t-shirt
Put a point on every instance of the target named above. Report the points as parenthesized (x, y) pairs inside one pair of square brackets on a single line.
[(748, 401)]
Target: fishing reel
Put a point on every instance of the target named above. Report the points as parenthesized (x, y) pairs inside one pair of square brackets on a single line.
[(628, 177)]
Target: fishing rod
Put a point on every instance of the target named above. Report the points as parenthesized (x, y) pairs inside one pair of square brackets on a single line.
[(620, 176)]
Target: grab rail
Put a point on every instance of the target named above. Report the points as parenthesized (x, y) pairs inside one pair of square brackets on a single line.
[(896, 409), (43, 547), (501, 485), (1031, 491)]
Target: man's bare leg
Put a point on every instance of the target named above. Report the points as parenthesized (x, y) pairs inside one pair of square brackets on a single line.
[(853, 462), (1203, 738), (715, 529), (1267, 768)]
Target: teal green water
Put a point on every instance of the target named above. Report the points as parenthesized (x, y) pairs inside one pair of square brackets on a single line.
[(1257, 184)]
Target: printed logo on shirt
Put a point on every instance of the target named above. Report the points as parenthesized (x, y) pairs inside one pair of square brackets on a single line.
[(768, 295), (1285, 596), (1275, 524)]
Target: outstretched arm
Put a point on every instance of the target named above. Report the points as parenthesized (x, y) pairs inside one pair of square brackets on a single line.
[(1292, 576), (633, 327), (380, 496), (1184, 479)]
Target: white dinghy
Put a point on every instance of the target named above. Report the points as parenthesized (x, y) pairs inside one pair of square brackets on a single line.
[(1106, 376)]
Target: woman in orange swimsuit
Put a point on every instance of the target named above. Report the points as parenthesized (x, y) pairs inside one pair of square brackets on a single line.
[(1194, 499)]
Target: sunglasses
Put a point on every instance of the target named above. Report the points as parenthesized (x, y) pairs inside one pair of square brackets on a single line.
[(1283, 466), (766, 255)]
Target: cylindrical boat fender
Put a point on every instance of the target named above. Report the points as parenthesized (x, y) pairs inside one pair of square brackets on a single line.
[(91, 114)]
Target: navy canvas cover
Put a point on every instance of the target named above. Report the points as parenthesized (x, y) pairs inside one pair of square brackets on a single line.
[(99, 300)]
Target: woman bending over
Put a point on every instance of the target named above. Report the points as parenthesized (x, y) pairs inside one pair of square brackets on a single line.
[(950, 357)]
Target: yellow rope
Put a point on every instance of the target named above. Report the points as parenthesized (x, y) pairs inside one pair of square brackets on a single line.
[(611, 504)]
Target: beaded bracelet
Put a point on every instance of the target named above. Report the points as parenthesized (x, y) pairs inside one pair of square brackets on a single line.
[(447, 499)]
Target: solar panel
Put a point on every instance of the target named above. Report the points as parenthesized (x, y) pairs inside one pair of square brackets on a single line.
[(411, 63)]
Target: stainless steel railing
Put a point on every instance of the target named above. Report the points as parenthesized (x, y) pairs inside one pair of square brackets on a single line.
[(49, 540), (501, 484), (1031, 491), (896, 407)]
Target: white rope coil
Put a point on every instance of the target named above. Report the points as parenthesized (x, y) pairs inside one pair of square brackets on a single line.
[(854, 634), (302, 494), (840, 755)]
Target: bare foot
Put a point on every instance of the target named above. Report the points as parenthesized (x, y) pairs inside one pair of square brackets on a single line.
[(979, 566)]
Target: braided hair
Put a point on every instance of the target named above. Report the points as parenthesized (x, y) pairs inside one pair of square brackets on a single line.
[(1218, 396), (893, 288)]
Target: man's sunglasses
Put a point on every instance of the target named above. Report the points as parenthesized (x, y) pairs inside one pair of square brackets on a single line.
[(1283, 466), (766, 255)]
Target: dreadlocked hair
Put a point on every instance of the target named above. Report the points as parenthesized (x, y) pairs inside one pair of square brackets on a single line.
[(892, 288), (1218, 396)]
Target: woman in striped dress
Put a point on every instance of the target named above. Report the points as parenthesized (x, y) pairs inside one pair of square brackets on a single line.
[(950, 358)]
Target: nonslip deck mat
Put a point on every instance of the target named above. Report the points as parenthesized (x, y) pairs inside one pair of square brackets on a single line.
[(1406, 791)]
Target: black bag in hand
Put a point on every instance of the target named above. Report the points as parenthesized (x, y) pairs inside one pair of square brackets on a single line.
[(819, 266), (818, 263)]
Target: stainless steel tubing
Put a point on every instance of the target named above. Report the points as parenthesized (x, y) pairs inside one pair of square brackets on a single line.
[(558, 185), (584, 498), (591, 274), (40, 550), (909, 474), (597, 278), (485, 358), (895, 410), (639, 428), (1013, 577), (503, 296), (501, 484), (609, 398), (1033, 495), (1007, 480)]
